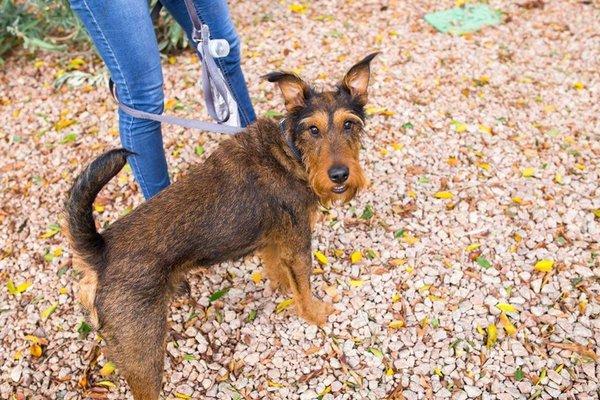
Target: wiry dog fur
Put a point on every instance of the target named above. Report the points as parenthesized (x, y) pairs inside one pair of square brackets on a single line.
[(251, 194)]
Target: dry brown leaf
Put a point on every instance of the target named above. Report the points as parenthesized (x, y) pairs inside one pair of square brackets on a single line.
[(576, 348)]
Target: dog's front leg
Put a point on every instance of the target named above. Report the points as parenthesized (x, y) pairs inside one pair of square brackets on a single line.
[(298, 270)]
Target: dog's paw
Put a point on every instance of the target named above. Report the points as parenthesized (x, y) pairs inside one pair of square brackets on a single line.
[(316, 312)]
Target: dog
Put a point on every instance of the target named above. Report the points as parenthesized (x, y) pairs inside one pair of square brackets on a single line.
[(259, 191)]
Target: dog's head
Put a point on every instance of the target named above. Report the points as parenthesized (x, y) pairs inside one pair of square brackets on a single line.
[(326, 128)]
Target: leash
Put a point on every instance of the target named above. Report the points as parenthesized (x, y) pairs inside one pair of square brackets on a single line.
[(214, 86)]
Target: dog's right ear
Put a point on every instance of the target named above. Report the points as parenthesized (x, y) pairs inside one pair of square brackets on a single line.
[(295, 91)]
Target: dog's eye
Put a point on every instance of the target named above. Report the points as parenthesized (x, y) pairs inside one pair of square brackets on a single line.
[(314, 130), (348, 125)]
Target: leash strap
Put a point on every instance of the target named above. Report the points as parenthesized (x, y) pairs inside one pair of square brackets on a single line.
[(214, 86)]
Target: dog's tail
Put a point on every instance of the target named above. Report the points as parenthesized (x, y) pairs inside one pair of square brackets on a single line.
[(84, 238)]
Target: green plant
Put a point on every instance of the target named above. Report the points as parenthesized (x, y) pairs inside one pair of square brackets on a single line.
[(47, 25)]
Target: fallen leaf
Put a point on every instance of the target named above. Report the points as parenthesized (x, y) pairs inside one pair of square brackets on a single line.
[(528, 172), (472, 246), (375, 351), (35, 350), (182, 396), (107, 369), (576, 348), (256, 277), (578, 85), (492, 335), (483, 262), (63, 123), (283, 305), (356, 257), (443, 195), (48, 311), (544, 265), (298, 8), (506, 307), (218, 294), (356, 282), (396, 324), (509, 328), (321, 258)]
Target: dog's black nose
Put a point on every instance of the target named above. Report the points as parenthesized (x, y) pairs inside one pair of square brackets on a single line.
[(338, 173)]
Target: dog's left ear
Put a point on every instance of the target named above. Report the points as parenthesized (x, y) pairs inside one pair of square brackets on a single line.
[(356, 81)]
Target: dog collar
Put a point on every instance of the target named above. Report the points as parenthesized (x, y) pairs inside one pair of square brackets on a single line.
[(289, 141)]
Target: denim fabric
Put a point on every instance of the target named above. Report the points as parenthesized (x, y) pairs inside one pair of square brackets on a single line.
[(123, 34)]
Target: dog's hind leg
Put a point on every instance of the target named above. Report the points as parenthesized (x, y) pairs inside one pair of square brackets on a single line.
[(135, 329)]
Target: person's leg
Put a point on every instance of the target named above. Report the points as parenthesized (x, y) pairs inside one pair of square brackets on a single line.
[(123, 34), (215, 14)]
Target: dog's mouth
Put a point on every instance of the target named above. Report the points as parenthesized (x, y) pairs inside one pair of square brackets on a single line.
[(339, 189)]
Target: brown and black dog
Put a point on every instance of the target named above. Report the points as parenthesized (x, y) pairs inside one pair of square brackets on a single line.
[(258, 191)]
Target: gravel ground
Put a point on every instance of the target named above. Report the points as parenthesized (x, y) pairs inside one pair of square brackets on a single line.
[(470, 269)]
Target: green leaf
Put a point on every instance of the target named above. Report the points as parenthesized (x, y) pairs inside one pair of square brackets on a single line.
[(251, 316), (370, 253), (435, 322), (71, 137), (83, 329), (367, 212), (376, 352), (407, 125), (189, 357), (218, 294), (273, 114), (483, 262), (49, 311), (423, 180), (199, 150), (399, 233), (519, 375)]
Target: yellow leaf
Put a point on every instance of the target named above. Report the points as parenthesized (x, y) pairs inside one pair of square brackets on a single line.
[(580, 167), (389, 372), (492, 335), (48, 311), (321, 258), (506, 307), (170, 104), (459, 3), (32, 339), (438, 371), (63, 290), (373, 110), (298, 8), (23, 287), (485, 129), (409, 239), (383, 151), (459, 127), (172, 60), (528, 172), (472, 246), (274, 384), (356, 257), (76, 63), (396, 324), (544, 265), (107, 369), (484, 165), (582, 306), (558, 178), (339, 253), (356, 282), (396, 262), (397, 146), (106, 384), (509, 328), (396, 297), (597, 213), (39, 64), (256, 277), (578, 85), (452, 161), (410, 269), (63, 123), (480, 330), (282, 306), (18, 355), (35, 350), (517, 237), (99, 208), (443, 195), (57, 252), (517, 200)]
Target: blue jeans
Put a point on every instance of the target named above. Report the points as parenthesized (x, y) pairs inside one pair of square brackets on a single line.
[(123, 34)]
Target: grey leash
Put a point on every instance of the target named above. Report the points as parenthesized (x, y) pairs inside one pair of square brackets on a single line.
[(213, 84)]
